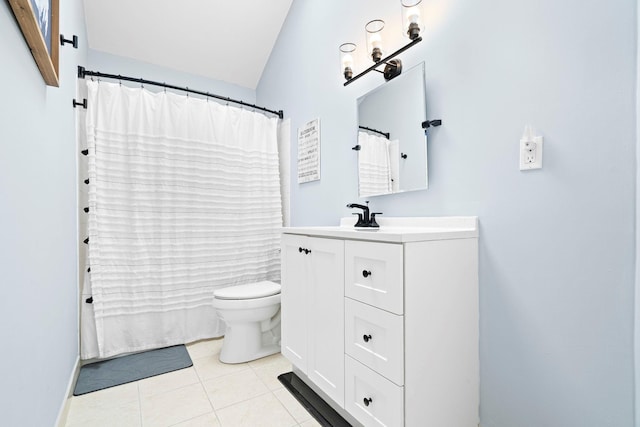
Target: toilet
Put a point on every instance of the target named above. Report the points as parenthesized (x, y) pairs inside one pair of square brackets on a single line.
[(252, 315)]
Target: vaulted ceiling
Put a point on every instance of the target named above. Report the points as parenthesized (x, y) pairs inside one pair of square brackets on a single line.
[(226, 40)]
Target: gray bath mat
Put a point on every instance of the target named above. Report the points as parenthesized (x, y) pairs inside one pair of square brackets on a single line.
[(134, 367)]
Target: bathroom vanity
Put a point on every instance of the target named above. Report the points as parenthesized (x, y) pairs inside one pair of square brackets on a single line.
[(384, 324)]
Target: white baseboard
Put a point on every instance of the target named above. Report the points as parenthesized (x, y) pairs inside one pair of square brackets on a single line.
[(64, 409)]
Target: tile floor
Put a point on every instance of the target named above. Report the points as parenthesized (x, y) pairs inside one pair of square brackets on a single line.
[(209, 394)]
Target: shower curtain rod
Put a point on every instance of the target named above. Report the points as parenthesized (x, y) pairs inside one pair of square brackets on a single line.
[(385, 134), (82, 73)]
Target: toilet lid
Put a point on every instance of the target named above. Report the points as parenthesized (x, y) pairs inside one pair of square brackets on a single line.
[(248, 291)]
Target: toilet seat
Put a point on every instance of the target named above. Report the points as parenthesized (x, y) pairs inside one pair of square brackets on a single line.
[(249, 291)]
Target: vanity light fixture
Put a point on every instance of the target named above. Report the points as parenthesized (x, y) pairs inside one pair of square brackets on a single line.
[(412, 17), (346, 59)]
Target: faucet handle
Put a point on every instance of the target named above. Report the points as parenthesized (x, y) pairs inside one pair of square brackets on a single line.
[(360, 221), (372, 221)]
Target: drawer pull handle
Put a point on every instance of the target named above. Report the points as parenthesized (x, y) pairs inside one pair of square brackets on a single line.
[(366, 338), (305, 250), (367, 401), (366, 273)]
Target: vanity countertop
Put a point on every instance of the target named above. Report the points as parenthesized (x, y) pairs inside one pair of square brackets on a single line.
[(397, 229)]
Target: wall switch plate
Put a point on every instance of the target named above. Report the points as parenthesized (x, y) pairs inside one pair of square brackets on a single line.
[(531, 153)]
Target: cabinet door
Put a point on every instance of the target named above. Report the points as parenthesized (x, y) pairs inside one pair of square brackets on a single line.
[(294, 299), (326, 317)]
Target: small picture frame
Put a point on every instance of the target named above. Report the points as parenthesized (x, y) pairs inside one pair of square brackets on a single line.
[(39, 22)]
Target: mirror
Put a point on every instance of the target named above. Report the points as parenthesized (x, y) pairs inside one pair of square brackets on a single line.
[(392, 146)]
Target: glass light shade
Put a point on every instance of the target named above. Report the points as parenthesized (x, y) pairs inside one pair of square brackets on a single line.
[(374, 39), (346, 59), (413, 15)]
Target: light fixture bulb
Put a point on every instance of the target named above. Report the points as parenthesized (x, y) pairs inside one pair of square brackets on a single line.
[(412, 18), (376, 41), (413, 15), (374, 38), (346, 59)]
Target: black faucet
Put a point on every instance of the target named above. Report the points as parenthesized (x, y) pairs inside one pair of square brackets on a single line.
[(364, 220)]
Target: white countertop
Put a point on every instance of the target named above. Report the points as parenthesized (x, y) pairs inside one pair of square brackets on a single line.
[(397, 230)]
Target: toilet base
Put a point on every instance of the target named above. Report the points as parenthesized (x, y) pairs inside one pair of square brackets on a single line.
[(245, 342)]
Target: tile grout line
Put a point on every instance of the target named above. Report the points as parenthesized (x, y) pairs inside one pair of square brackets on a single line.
[(297, 403), (213, 409), (254, 370), (249, 366), (139, 403), (297, 424)]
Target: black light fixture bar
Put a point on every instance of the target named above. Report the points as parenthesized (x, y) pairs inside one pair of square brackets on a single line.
[(385, 134), (82, 73), (384, 60)]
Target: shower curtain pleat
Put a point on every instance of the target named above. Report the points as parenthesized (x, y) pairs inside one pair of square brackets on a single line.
[(184, 197)]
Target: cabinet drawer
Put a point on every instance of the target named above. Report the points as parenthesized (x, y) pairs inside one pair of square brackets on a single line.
[(370, 398), (374, 274), (376, 338)]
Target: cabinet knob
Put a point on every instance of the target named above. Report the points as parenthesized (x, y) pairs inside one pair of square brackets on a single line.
[(307, 251), (300, 249), (366, 338), (367, 401), (366, 273)]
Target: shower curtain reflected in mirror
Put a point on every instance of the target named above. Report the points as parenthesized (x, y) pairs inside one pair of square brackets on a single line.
[(378, 165), (184, 197)]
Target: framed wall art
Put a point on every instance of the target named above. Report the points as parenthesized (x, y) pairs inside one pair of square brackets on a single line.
[(39, 22)]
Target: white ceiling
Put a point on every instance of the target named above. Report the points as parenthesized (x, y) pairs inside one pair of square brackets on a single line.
[(226, 40)]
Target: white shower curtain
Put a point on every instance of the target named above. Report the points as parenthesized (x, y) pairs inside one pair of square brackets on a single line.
[(184, 198)]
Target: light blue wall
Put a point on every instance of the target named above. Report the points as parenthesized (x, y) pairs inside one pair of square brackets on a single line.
[(556, 245), (637, 277), (112, 64), (38, 234)]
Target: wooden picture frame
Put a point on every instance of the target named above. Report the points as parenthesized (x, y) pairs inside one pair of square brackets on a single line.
[(41, 30)]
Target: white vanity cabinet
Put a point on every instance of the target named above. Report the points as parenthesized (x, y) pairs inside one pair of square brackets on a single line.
[(410, 315), (312, 314)]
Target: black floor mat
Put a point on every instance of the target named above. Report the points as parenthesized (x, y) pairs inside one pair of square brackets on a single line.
[(134, 367), (318, 408)]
